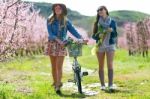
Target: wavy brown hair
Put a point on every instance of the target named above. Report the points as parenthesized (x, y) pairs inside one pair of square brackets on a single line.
[(63, 16)]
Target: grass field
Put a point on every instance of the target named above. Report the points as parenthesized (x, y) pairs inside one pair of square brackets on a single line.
[(30, 78)]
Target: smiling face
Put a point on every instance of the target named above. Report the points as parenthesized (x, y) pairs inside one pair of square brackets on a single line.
[(102, 11), (58, 10)]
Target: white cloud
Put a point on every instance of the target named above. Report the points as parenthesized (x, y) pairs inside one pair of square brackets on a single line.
[(89, 7)]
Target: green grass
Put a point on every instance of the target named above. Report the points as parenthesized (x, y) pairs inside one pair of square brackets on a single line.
[(122, 63), (30, 77)]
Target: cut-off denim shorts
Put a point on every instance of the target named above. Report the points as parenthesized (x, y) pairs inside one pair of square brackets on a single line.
[(109, 48)]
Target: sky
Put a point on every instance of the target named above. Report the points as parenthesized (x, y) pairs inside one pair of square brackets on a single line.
[(89, 7)]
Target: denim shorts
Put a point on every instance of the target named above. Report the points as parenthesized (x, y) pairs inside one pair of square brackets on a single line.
[(109, 48)]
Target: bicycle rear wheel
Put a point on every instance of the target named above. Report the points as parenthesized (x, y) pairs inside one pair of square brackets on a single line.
[(78, 81)]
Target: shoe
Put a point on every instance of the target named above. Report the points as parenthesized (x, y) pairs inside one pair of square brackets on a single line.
[(102, 87), (58, 91), (111, 88)]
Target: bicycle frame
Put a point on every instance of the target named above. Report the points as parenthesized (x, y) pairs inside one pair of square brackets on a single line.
[(75, 50), (77, 74), (76, 66)]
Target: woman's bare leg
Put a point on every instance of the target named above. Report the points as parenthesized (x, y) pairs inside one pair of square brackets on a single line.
[(54, 69), (101, 57), (60, 60)]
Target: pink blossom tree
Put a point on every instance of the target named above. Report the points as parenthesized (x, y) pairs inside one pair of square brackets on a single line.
[(22, 29), (137, 37)]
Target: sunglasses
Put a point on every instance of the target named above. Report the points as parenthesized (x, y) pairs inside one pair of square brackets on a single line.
[(101, 9)]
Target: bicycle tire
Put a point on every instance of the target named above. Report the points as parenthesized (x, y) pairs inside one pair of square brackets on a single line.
[(78, 81)]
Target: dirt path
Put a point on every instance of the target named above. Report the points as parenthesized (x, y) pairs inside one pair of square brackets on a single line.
[(68, 67)]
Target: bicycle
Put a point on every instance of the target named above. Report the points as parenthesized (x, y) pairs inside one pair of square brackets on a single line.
[(75, 50)]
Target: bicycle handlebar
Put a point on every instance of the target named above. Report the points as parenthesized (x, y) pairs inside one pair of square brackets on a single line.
[(71, 41)]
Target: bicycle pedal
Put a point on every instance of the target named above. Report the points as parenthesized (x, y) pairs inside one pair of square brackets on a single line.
[(84, 73)]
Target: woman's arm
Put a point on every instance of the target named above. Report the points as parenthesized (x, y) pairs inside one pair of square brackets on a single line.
[(72, 30), (113, 26), (51, 36)]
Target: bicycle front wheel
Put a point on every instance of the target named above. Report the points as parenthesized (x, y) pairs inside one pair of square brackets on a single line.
[(78, 81)]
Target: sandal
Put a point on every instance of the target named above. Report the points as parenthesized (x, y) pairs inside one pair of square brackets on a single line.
[(57, 89)]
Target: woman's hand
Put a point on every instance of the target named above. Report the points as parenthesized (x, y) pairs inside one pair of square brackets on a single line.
[(85, 41), (82, 41)]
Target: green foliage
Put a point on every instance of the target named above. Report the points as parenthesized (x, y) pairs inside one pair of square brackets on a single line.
[(122, 16)]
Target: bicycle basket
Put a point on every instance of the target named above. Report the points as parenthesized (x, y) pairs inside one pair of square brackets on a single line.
[(74, 49)]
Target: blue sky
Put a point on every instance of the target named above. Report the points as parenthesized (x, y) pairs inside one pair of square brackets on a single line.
[(89, 7)]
